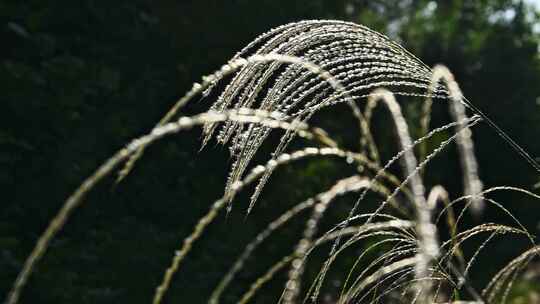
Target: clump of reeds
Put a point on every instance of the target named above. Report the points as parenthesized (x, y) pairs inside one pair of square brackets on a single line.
[(280, 81)]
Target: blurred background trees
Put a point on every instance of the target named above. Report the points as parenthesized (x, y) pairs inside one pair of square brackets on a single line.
[(81, 78)]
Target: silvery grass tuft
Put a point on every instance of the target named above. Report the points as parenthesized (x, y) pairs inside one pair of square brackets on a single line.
[(280, 81)]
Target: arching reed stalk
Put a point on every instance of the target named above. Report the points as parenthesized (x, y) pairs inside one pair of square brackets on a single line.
[(471, 181), (283, 79), (241, 115)]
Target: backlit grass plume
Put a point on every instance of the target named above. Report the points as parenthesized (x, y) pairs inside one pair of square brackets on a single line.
[(280, 81)]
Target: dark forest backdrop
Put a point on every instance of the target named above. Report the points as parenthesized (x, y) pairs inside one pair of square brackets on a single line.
[(79, 79)]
